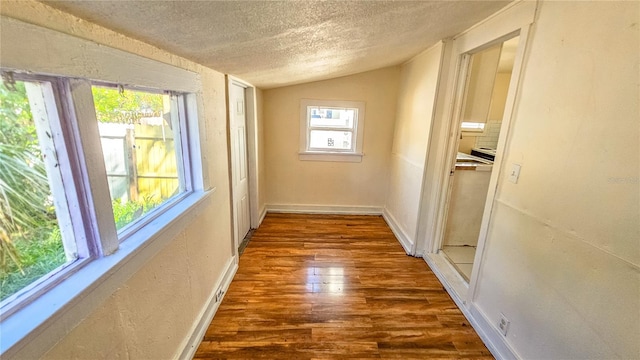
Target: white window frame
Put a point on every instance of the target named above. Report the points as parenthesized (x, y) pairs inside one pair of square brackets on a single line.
[(352, 155), (179, 116), (83, 192), (63, 172), (78, 290), (476, 127)]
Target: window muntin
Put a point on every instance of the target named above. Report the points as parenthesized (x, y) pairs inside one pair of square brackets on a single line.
[(140, 137), (331, 127), (36, 233)]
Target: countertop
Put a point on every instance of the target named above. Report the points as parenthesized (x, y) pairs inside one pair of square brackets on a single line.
[(470, 162)]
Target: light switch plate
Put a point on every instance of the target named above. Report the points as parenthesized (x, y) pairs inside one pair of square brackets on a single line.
[(514, 174)]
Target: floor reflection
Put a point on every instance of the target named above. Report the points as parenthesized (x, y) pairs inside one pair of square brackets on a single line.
[(330, 280), (302, 292)]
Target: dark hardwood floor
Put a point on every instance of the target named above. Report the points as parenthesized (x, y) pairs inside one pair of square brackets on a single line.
[(335, 287)]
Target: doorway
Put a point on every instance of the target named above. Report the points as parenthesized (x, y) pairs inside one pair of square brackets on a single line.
[(239, 162), (481, 111)]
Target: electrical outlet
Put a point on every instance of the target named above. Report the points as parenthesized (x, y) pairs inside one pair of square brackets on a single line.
[(503, 325), (219, 295)]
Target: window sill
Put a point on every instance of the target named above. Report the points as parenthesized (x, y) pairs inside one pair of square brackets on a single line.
[(79, 294), (472, 131), (330, 156)]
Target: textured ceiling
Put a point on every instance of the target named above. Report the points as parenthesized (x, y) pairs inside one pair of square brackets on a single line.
[(278, 43)]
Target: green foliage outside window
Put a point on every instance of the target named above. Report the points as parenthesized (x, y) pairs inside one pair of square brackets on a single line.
[(125, 107), (127, 212), (30, 242)]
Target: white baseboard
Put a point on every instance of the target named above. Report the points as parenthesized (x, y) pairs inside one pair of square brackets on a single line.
[(324, 209), (263, 213), (190, 344), (495, 342), (400, 234)]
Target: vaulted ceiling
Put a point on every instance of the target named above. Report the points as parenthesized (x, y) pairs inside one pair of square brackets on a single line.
[(276, 43)]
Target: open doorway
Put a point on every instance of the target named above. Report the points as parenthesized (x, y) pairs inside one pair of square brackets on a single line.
[(480, 120)]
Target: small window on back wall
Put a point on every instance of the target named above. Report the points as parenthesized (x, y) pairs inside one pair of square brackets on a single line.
[(331, 130)]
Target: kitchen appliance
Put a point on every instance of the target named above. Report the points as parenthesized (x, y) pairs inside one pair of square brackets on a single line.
[(485, 153)]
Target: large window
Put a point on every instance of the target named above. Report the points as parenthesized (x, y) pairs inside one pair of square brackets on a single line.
[(140, 137), (331, 130), (100, 168), (36, 232), (66, 145)]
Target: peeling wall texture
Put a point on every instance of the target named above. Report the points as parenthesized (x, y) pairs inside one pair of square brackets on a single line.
[(153, 312), (562, 259)]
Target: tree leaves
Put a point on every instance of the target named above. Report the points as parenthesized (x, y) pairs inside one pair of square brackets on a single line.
[(125, 107), (25, 197)]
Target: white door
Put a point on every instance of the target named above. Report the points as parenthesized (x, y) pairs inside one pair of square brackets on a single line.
[(239, 174)]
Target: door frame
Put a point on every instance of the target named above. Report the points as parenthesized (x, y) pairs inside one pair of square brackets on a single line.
[(513, 20), (251, 119)]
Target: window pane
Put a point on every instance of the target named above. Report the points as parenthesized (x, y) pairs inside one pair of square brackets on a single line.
[(330, 140), (142, 159), (31, 244), (472, 126), (331, 117)]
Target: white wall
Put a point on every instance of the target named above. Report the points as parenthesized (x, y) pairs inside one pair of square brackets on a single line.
[(152, 313), (262, 167), (298, 184), (416, 98), (562, 259), (499, 96)]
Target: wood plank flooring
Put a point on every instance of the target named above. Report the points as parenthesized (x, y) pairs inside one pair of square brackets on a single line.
[(335, 287)]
